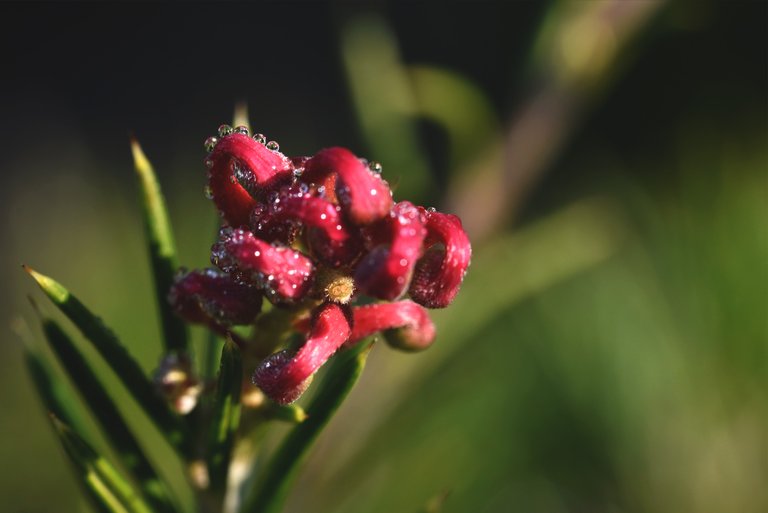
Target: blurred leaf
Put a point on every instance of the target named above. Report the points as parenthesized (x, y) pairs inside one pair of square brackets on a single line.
[(385, 105), (272, 489), (114, 353), (105, 411), (53, 393), (162, 250), (107, 490), (226, 414)]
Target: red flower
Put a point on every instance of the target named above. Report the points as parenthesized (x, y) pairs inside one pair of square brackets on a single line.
[(317, 233)]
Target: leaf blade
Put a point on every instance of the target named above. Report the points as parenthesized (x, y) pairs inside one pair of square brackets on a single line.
[(226, 414), (106, 489), (107, 414), (162, 250), (118, 358)]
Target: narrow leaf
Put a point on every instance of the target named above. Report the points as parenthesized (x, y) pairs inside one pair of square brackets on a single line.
[(226, 414), (106, 413), (53, 392), (270, 491), (118, 358), (107, 490), (162, 250)]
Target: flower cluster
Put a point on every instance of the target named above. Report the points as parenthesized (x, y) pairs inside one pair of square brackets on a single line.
[(322, 239)]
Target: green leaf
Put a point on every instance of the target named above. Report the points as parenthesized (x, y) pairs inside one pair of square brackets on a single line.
[(292, 413), (226, 414), (105, 411), (53, 393), (118, 358), (162, 250), (270, 491), (107, 490)]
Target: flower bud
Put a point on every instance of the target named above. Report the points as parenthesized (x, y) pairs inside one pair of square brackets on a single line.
[(404, 324)]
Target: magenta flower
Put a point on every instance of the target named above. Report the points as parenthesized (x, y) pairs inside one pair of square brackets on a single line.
[(318, 234)]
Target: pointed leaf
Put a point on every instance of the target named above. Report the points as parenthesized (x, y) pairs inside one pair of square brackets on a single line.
[(162, 250), (106, 413), (270, 491), (107, 490), (114, 353), (226, 414)]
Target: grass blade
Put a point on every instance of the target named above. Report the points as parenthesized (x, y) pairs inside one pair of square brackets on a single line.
[(162, 250), (270, 491), (118, 358), (226, 414), (107, 414), (107, 490)]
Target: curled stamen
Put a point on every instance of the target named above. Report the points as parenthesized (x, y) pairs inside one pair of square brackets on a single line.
[(284, 375), (241, 168), (438, 275), (284, 274), (404, 324), (365, 196), (385, 272)]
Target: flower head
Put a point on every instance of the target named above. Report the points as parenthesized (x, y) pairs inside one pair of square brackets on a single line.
[(318, 234)]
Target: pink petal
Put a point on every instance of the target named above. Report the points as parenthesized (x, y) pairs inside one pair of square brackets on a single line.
[(405, 324), (283, 273), (241, 168), (209, 296), (385, 272), (438, 275), (283, 376), (363, 194)]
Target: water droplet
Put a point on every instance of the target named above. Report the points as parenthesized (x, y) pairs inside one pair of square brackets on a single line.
[(403, 262), (273, 145), (260, 138), (375, 167), (210, 143), (225, 130), (323, 216), (297, 172), (208, 163), (431, 210), (373, 192), (208, 192), (242, 129)]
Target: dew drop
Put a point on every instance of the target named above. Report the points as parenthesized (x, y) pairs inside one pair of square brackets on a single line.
[(210, 143), (260, 138), (403, 262), (373, 192), (208, 163), (375, 167), (242, 129), (208, 192), (225, 130), (273, 145), (431, 210)]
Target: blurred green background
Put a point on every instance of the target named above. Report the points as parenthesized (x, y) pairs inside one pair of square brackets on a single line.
[(608, 350)]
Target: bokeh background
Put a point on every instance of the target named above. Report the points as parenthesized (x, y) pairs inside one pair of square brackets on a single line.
[(608, 350)]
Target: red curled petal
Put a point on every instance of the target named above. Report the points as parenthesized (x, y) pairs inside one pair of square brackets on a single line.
[(296, 205), (363, 194), (211, 297), (284, 377), (241, 168), (283, 273), (386, 271), (438, 275), (405, 325)]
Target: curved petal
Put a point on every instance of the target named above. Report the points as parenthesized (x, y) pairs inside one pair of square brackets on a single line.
[(241, 168), (284, 376), (365, 196), (385, 272), (284, 274), (405, 325), (438, 275)]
